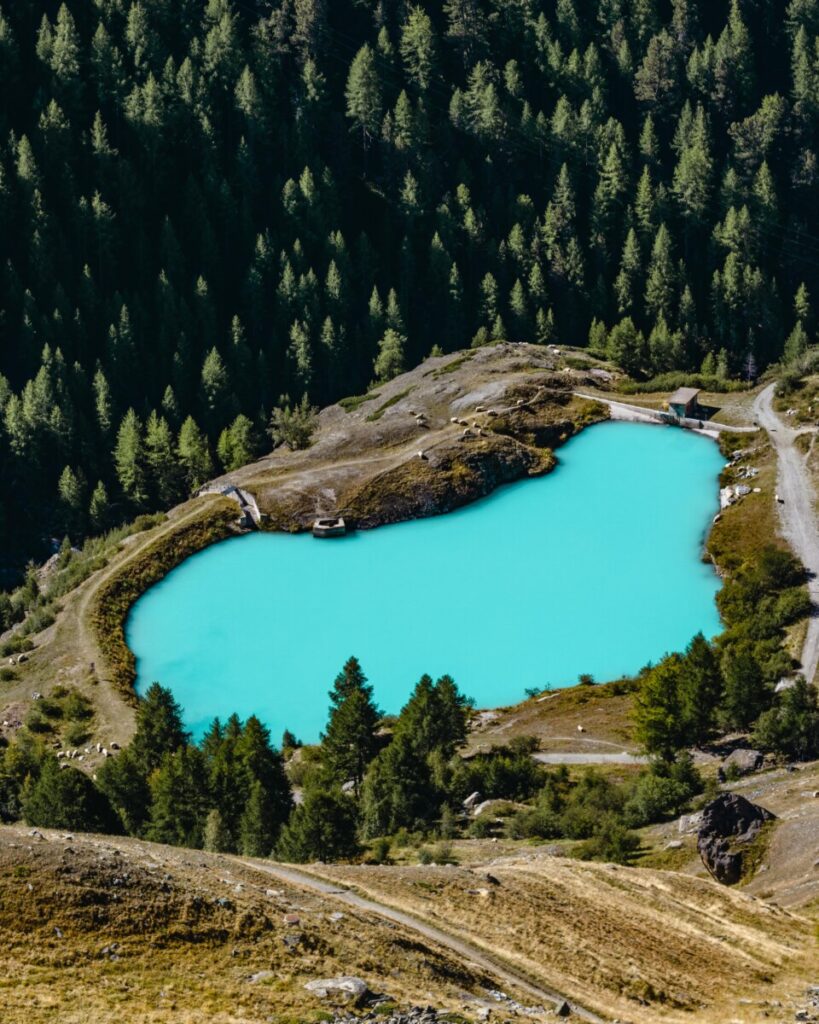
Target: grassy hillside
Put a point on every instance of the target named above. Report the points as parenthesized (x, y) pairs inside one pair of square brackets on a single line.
[(92, 927)]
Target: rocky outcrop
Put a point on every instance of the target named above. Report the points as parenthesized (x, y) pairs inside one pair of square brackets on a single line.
[(340, 990), (729, 825), (452, 476), (414, 1015)]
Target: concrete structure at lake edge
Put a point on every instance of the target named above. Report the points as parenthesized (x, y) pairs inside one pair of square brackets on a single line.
[(684, 402)]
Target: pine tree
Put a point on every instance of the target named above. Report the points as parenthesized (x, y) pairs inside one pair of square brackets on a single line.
[(216, 838), (66, 800), (626, 347), (467, 28), (802, 306), (322, 828), (389, 362), (700, 690), (216, 390), (237, 444), (349, 743), (72, 499), (161, 461), (660, 286), (626, 286), (159, 729), (99, 510), (657, 710), (257, 828), (194, 455), (178, 799), (129, 456), (745, 692), (419, 48), (364, 96)]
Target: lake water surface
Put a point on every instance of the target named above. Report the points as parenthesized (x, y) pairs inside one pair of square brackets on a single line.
[(595, 568)]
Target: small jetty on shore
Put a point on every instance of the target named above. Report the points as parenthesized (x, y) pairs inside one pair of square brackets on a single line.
[(329, 528)]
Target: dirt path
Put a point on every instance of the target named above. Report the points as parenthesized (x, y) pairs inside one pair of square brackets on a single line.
[(796, 512), (575, 758), (470, 952)]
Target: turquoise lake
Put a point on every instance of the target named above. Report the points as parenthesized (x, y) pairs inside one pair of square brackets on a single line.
[(595, 568)]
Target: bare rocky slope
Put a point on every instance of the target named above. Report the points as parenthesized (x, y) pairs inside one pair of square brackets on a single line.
[(437, 437)]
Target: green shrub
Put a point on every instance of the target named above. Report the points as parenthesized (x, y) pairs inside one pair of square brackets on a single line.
[(354, 401), (40, 619), (37, 722), (442, 853), (655, 797), (482, 827), (50, 708), (611, 842), (791, 727), (7, 675), (380, 850), (16, 645), (77, 707), (76, 734)]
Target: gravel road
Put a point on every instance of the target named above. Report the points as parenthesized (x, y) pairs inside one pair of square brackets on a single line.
[(797, 513), (470, 952)]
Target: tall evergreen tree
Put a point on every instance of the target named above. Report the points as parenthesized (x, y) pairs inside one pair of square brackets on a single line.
[(349, 742)]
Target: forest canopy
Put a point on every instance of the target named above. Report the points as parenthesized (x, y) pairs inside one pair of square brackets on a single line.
[(209, 210)]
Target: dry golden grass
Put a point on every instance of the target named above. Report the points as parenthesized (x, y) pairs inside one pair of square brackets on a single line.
[(603, 712), (105, 929), (752, 523), (644, 946)]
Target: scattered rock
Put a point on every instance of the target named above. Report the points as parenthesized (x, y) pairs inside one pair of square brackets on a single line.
[(690, 822), (472, 800), (345, 989), (743, 761), (728, 822), (261, 976), (291, 919)]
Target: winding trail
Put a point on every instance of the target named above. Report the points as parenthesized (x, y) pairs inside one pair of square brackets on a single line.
[(797, 513), (467, 950)]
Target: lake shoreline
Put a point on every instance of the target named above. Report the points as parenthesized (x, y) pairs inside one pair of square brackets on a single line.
[(366, 461), (419, 595)]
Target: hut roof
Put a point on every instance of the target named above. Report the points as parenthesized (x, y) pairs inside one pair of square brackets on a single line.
[(682, 396)]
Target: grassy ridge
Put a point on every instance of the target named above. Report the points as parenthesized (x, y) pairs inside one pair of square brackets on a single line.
[(129, 581)]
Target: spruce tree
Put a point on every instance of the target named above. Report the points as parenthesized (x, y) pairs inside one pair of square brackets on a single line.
[(349, 742), (129, 456), (66, 799), (364, 95)]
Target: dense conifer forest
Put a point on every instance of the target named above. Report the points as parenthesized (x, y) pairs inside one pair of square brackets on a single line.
[(209, 209)]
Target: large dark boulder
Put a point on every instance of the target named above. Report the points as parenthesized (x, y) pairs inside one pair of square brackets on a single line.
[(729, 824)]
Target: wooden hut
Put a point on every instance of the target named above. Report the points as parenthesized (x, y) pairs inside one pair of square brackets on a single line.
[(684, 403)]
